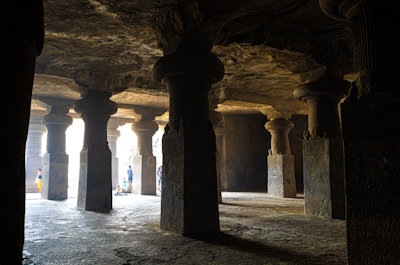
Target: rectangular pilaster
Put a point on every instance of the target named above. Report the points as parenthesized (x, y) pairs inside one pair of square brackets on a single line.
[(55, 176), (144, 175), (281, 179), (323, 175), (189, 184), (94, 191)]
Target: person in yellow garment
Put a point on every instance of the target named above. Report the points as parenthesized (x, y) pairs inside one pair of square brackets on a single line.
[(39, 180)]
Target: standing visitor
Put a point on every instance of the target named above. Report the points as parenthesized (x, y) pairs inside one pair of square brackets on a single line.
[(130, 174), (39, 179), (159, 176)]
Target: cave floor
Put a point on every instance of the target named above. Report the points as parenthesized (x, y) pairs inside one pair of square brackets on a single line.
[(255, 229)]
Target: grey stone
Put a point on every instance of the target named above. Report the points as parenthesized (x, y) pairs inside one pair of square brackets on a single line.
[(281, 179), (144, 175)]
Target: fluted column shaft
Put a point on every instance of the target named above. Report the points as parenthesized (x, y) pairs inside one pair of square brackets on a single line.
[(279, 129), (216, 119), (371, 138), (189, 204), (95, 179), (55, 161), (33, 155)]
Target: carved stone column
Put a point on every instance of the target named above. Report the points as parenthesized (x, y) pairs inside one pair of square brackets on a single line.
[(112, 137), (216, 119), (189, 204), (323, 168), (55, 161), (371, 137), (95, 179), (33, 154), (281, 178), (144, 163)]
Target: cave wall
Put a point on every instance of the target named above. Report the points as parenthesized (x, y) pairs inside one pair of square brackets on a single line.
[(296, 145), (247, 144)]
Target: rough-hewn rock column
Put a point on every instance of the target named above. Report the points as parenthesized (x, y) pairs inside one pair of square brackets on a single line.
[(216, 119), (281, 179), (33, 155), (323, 168), (21, 38), (112, 137), (94, 191), (189, 204), (144, 163), (55, 161), (371, 137)]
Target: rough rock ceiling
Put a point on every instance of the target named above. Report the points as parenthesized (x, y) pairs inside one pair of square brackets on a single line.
[(268, 48)]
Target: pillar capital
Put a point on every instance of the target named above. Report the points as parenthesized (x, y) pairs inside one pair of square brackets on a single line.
[(279, 129), (144, 127), (143, 113), (95, 101)]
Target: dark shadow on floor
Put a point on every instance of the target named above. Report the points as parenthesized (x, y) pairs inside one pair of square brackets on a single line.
[(260, 249)]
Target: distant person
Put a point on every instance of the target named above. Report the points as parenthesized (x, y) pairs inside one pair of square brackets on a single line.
[(124, 184), (159, 177), (130, 174), (39, 179)]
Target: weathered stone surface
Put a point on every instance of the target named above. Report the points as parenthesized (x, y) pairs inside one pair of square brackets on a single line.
[(144, 175), (372, 159), (55, 176), (324, 177), (189, 203), (281, 178)]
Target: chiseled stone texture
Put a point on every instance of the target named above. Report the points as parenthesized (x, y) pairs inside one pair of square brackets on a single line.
[(144, 175), (246, 145), (324, 177), (189, 203), (281, 180), (371, 134), (55, 176), (255, 229)]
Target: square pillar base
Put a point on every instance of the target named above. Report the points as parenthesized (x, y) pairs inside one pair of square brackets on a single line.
[(95, 191), (189, 204), (144, 175), (281, 179), (32, 164), (323, 174), (55, 176), (371, 133)]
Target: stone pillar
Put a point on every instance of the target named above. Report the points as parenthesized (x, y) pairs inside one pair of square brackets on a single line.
[(55, 161), (95, 179), (144, 163), (33, 154), (371, 133), (216, 119), (281, 178), (189, 204), (323, 168), (112, 137), (21, 38)]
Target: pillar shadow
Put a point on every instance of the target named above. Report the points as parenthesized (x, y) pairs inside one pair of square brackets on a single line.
[(260, 249)]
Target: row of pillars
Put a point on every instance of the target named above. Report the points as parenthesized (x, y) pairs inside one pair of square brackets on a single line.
[(97, 164)]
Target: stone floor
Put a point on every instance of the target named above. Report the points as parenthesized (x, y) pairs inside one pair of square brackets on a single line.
[(255, 229)]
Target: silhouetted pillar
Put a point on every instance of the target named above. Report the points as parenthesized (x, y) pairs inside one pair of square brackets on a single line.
[(144, 163), (33, 155), (216, 119), (189, 204), (94, 191), (371, 131), (281, 178), (323, 168), (55, 160), (21, 38), (112, 137)]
